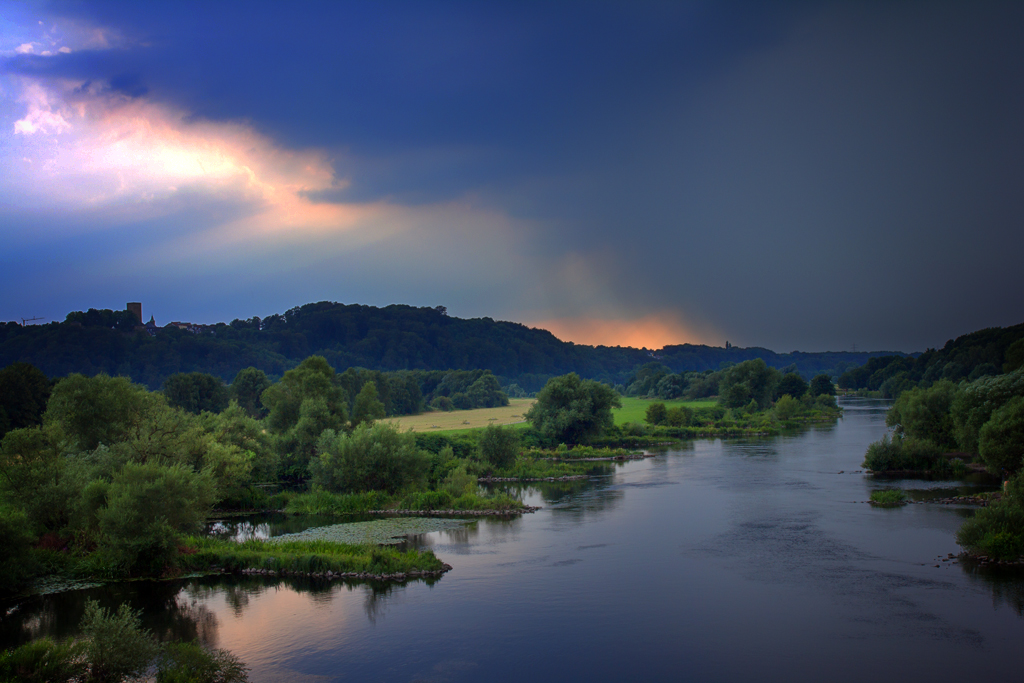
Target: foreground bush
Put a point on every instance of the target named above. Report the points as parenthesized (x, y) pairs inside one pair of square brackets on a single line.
[(191, 663), (997, 530), (909, 454)]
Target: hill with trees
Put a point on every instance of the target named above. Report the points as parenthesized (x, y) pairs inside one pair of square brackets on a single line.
[(392, 338)]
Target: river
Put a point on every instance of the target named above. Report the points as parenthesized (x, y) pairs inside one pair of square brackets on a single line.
[(723, 560)]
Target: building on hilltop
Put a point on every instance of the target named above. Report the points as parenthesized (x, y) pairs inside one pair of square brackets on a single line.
[(136, 308)]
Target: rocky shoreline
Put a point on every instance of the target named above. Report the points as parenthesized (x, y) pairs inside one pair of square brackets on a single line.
[(957, 500), (358, 576), (464, 513)]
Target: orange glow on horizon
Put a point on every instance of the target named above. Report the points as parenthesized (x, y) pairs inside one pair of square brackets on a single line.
[(653, 331)]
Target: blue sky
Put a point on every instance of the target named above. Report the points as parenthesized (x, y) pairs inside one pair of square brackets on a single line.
[(797, 176)]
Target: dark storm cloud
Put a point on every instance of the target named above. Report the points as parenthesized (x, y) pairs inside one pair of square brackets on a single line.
[(794, 176)]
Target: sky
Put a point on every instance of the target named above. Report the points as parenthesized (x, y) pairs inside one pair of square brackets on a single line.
[(796, 176)]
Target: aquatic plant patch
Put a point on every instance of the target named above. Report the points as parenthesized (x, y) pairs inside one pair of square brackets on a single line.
[(388, 531)]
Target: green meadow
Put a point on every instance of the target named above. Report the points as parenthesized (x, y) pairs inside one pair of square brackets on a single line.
[(635, 409)]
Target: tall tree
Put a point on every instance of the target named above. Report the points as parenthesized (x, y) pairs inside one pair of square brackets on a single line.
[(569, 410)]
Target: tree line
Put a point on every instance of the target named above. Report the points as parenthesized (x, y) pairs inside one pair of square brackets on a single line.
[(387, 339), (984, 353)]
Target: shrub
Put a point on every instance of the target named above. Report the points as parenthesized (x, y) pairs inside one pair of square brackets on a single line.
[(191, 663), (499, 445), (997, 530), (44, 661), (458, 482), (925, 414), (903, 454), (374, 457), (148, 507), (16, 540), (116, 646), (787, 407), (679, 416), (1001, 441), (656, 414)]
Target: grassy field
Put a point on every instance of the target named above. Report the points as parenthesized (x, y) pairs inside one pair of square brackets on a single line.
[(635, 409), (467, 419)]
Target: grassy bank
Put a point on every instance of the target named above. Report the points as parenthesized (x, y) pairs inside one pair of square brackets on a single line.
[(204, 554)]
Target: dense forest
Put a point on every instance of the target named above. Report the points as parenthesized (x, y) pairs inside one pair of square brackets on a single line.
[(987, 352), (384, 339)]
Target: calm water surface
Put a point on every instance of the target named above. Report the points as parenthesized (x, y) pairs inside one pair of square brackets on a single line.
[(720, 561)]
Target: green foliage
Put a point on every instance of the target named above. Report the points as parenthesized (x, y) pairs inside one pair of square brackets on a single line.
[(751, 380), (16, 540), (234, 427), (195, 392), (458, 482), (44, 661), (367, 409), (888, 498), (822, 385), (925, 414), (787, 407), (900, 454), (679, 416), (569, 410), (499, 445), (372, 458), (247, 388), (1001, 442), (91, 411), (657, 414), (24, 390), (671, 386), (791, 384), (116, 646), (192, 663), (1014, 357), (997, 531), (148, 507), (304, 556), (976, 402), (312, 380), (321, 502), (36, 477)]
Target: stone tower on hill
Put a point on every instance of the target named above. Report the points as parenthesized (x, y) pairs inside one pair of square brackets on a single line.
[(136, 308)]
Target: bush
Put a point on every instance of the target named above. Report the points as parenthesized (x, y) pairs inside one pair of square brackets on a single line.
[(191, 663), (925, 414), (458, 482), (976, 402), (499, 445), (903, 454), (997, 530), (787, 407), (656, 414), (1001, 442), (679, 416), (116, 646), (372, 458), (570, 409), (44, 661), (16, 540), (148, 507)]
